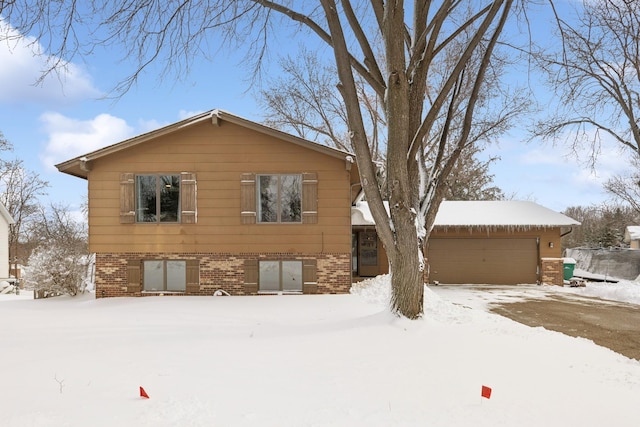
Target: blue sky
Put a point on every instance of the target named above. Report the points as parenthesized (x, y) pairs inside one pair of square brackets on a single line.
[(67, 116)]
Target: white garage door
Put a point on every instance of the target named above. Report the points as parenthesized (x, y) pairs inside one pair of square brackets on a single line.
[(478, 261)]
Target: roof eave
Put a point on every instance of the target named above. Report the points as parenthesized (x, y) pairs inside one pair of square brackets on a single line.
[(79, 166)]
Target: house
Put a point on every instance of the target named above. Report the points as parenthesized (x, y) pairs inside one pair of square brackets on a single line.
[(632, 236), (6, 220), (217, 202), (493, 242)]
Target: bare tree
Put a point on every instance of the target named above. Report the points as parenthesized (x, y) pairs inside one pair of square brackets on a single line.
[(58, 263), (430, 52), (470, 179), (5, 145), (597, 75), (304, 100), (601, 226), (627, 187), (19, 192)]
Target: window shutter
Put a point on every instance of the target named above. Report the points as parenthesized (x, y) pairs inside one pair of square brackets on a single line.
[(309, 198), (133, 275), (193, 275), (248, 198), (250, 276), (188, 198), (310, 276), (127, 198)]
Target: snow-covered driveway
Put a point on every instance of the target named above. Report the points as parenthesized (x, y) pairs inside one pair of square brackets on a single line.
[(612, 324)]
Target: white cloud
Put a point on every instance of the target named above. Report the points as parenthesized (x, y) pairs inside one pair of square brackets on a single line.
[(542, 156), (184, 114), (23, 61), (68, 138), (149, 125)]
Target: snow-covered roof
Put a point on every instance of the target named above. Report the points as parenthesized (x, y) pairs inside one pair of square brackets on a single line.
[(503, 213), (632, 232)]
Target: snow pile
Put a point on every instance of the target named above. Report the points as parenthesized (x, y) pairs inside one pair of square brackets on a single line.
[(301, 361), (624, 291)]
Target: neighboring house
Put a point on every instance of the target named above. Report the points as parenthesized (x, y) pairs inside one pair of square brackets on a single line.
[(218, 202), (492, 242), (5, 221), (632, 236)]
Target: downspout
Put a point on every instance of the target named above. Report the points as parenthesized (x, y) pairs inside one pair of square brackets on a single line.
[(567, 233)]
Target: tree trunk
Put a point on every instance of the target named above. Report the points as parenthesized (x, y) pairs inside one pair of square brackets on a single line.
[(407, 282)]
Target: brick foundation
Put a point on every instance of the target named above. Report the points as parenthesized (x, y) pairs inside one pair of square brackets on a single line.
[(218, 271)]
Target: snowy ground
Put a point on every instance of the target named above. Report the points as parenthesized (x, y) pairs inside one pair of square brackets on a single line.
[(324, 360)]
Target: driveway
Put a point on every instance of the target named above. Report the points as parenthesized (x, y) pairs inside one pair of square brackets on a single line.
[(611, 324)]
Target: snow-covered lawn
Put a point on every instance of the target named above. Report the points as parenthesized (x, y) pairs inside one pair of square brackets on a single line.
[(324, 360)]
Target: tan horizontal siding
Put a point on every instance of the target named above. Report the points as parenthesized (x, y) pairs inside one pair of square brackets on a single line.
[(264, 248), (218, 156)]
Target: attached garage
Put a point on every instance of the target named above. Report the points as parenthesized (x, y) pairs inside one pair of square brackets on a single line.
[(503, 242), (495, 242), (504, 261)]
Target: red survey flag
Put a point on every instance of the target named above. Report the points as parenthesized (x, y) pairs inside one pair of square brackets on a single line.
[(143, 393), (486, 392)]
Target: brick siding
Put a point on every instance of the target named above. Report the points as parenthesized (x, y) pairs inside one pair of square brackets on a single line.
[(218, 271), (552, 271)]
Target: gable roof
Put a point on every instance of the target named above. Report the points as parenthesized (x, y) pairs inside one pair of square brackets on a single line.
[(482, 214), (632, 232), (80, 166)]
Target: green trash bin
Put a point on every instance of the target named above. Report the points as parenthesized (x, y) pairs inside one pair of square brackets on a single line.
[(569, 264)]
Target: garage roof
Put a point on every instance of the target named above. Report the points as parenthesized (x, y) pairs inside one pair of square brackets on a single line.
[(503, 213), (507, 213)]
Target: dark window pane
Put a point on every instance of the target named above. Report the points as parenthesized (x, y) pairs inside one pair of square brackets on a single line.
[(169, 198), (268, 198), (290, 198), (146, 198)]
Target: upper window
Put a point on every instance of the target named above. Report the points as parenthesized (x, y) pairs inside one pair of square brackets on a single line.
[(158, 198), (280, 198)]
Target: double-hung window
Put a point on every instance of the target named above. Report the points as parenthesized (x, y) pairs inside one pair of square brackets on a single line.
[(158, 198), (279, 198)]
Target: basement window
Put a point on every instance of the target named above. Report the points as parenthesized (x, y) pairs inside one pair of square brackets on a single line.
[(164, 275), (280, 276)]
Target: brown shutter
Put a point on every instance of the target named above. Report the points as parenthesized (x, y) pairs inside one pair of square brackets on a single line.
[(309, 276), (193, 275), (188, 198), (248, 198), (127, 198), (251, 276), (309, 198), (133, 275)]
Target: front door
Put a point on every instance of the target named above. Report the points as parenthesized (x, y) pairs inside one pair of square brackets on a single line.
[(367, 254)]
